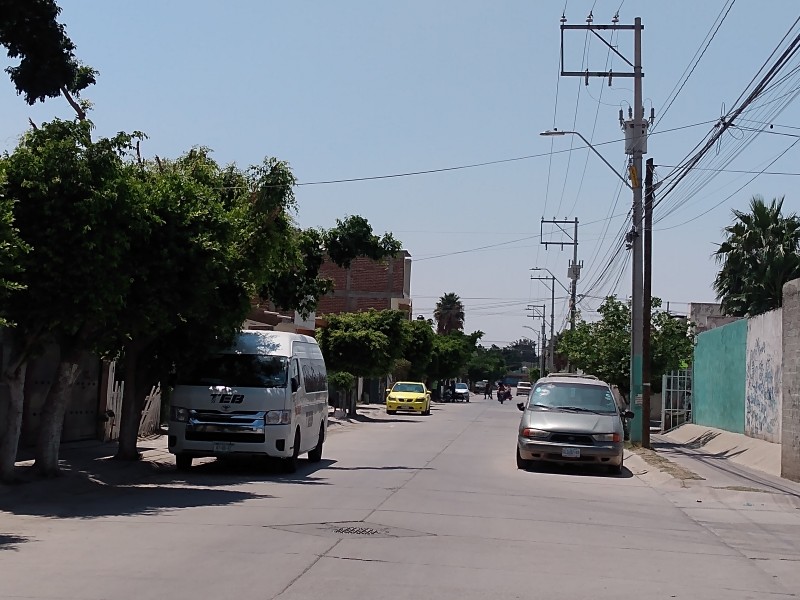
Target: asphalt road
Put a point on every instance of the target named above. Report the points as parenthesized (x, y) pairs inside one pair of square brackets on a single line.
[(409, 507)]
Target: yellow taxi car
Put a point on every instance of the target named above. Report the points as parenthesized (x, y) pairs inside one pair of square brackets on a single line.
[(408, 395)]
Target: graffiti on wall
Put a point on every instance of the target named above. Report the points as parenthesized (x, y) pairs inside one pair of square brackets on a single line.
[(763, 393)]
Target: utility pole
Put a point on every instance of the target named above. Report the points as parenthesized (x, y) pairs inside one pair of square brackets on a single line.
[(551, 347), (635, 147), (574, 271), (542, 308), (648, 286)]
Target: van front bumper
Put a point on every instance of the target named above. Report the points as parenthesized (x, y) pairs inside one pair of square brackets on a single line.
[(211, 439)]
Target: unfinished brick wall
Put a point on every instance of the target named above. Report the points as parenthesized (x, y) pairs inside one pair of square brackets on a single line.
[(366, 284), (790, 431)]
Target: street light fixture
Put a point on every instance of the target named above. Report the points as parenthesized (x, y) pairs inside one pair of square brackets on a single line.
[(558, 132)]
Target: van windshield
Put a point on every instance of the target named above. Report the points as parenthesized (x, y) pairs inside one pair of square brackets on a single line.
[(237, 370), (595, 398)]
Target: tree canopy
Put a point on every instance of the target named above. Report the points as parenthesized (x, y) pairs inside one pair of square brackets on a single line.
[(366, 344), (760, 253), (47, 68), (603, 347), (487, 363)]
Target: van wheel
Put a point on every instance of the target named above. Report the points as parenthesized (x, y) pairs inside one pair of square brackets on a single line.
[(315, 455), (290, 464), (183, 462), (521, 462)]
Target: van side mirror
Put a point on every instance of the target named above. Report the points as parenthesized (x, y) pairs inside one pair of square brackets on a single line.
[(629, 414), (295, 384), (521, 406)]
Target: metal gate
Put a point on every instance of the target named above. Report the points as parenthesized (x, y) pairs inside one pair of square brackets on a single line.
[(676, 403)]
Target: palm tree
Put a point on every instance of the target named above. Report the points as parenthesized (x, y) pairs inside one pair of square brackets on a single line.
[(760, 253), (449, 314)]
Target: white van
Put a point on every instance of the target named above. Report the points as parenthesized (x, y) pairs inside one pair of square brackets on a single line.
[(265, 396)]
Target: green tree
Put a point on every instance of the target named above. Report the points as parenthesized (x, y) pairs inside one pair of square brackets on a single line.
[(449, 314), (47, 67), (760, 253), (603, 347), (419, 348), (75, 207), (487, 363), (366, 344), (342, 383), (451, 354), (517, 353)]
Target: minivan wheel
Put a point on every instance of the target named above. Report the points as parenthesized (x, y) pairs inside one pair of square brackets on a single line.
[(290, 464), (615, 469), (315, 455), (521, 462)]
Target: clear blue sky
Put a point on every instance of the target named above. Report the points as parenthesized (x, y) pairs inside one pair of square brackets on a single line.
[(362, 88)]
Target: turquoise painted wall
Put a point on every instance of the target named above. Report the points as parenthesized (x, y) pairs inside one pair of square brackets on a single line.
[(720, 370)]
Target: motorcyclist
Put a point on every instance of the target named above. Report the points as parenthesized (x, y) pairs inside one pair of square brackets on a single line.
[(503, 393)]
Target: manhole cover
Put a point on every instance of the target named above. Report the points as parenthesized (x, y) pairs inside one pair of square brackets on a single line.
[(350, 530)]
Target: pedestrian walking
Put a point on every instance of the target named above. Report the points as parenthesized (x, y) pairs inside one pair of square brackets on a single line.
[(487, 391)]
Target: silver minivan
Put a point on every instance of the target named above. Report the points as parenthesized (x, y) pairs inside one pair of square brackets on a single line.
[(571, 419)]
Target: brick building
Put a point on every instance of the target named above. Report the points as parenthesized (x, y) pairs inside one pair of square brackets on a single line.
[(368, 284)]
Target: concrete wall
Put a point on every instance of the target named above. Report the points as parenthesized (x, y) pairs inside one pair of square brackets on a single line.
[(763, 392), (790, 431), (719, 377)]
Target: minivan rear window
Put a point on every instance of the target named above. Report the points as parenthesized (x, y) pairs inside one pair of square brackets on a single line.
[(237, 370), (596, 398)]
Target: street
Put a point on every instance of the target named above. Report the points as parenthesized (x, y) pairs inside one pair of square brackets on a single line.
[(409, 506)]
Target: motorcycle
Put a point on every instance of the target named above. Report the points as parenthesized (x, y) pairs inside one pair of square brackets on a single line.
[(503, 395)]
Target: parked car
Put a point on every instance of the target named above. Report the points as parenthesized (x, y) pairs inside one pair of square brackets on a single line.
[(571, 419), (408, 395), (523, 388), (461, 393), (479, 386)]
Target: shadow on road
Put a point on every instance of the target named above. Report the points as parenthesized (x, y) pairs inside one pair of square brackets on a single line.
[(120, 501), (10, 542), (578, 470), (234, 471), (381, 468)]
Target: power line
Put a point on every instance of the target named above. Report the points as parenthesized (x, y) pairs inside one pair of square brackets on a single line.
[(719, 22), (734, 193), (479, 164)]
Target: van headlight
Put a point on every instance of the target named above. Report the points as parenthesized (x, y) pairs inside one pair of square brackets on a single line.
[(179, 414), (607, 437), (278, 417)]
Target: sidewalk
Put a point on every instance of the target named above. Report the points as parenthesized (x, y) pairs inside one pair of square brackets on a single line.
[(735, 447), (89, 466)]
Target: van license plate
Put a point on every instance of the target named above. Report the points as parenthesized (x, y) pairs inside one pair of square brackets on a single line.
[(571, 452), (222, 447)]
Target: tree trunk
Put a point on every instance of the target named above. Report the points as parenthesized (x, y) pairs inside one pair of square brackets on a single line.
[(351, 409), (53, 411), (132, 406), (10, 428)]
